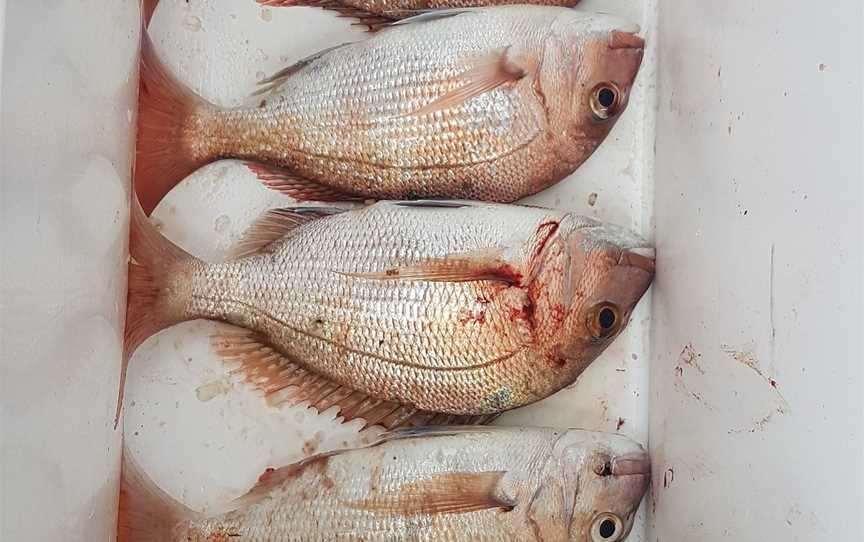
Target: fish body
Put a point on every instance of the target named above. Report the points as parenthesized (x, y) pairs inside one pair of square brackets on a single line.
[(443, 484), (453, 307), (487, 104)]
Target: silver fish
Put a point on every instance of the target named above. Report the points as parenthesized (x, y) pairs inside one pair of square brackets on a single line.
[(487, 104), (399, 309), (443, 484)]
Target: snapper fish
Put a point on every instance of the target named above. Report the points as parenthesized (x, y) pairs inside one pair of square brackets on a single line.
[(489, 104), (401, 312), (439, 483)]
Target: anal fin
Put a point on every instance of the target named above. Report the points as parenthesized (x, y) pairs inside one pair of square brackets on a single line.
[(283, 381), (286, 182)]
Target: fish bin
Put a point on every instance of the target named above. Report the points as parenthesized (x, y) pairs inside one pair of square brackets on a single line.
[(738, 158)]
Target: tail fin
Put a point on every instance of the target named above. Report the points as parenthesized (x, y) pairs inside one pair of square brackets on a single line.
[(146, 514), (159, 286), (164, 156), (147, 9)]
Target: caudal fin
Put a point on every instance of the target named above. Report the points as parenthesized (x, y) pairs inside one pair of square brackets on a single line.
[(165, 107), (146, 514), (158, 286)]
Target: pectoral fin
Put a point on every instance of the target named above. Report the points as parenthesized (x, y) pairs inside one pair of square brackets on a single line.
[(449, 493), (485, 75), (465, 267)]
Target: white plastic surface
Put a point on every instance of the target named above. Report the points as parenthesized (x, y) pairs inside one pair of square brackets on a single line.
[(756, 379), (67, 118), (205, 438)]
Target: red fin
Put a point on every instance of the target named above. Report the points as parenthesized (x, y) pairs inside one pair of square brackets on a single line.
[(450, 493), (163, 156), (285, 382), (485, 75), (299, 188), (372, 21), (272, 478), (467, 267), (275, 224), (146, 513), (269, 83), (156, 282), (147, 9)]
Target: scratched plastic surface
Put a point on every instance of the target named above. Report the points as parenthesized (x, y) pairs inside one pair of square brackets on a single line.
[(205, 437)]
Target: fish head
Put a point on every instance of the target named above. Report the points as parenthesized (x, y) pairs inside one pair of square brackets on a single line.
[(603, 479), (606, 271), (592, 63)]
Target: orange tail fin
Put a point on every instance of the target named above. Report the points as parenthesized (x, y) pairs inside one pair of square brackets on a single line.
[(146, 514), (159, 287), (164, 156), (147, 9)]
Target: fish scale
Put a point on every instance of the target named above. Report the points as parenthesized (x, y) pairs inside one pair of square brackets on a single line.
[(400, 310), (436, 484), (460, 347), (490, 104)]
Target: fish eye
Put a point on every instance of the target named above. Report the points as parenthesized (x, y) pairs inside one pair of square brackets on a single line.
[(605, 100), (607, 528), (604, 320)]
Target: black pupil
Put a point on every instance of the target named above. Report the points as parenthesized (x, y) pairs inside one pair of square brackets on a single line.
[(606, 97), (607, 528), (606, 318)]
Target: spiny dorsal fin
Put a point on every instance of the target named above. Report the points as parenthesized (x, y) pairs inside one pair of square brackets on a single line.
[(434, 204), (296, 186), (269, 83), (427, 16), (463, 267), (273, 225), (272, 478), (485, 74), (282, 381), (446, 493)]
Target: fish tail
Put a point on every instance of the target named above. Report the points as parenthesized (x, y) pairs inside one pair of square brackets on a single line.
[(147, 9), (159, 284), (167, 114), (146, 513)]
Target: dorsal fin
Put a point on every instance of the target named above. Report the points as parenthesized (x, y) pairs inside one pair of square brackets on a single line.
[(272, 478), (274, 224), (284, 381), (427, 16), (269, 83), (372, 21)]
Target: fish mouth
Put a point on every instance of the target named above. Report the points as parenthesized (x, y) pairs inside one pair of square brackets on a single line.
[(631, 464), (639, 257), (626, 39)]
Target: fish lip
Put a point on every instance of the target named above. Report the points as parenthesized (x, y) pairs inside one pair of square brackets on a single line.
[(625, 39), (632, 464), (640, 258)]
